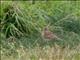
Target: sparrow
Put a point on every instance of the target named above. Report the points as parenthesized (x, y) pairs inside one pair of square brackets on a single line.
[(47, 34)]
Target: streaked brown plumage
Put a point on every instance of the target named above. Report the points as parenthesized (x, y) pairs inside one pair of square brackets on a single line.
[(47, 34)]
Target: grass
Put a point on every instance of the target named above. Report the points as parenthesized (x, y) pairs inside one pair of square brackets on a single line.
[(46, 53), (22, 23)]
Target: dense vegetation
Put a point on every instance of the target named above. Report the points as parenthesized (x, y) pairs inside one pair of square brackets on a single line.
[(22, 23)]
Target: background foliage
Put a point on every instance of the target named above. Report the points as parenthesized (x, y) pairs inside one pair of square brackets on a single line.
[(22, 23)]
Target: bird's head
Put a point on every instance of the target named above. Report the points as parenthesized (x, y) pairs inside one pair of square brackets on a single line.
[(46, 29)]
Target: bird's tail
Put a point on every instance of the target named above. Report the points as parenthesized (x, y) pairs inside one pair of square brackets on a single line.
[(58, 38)]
